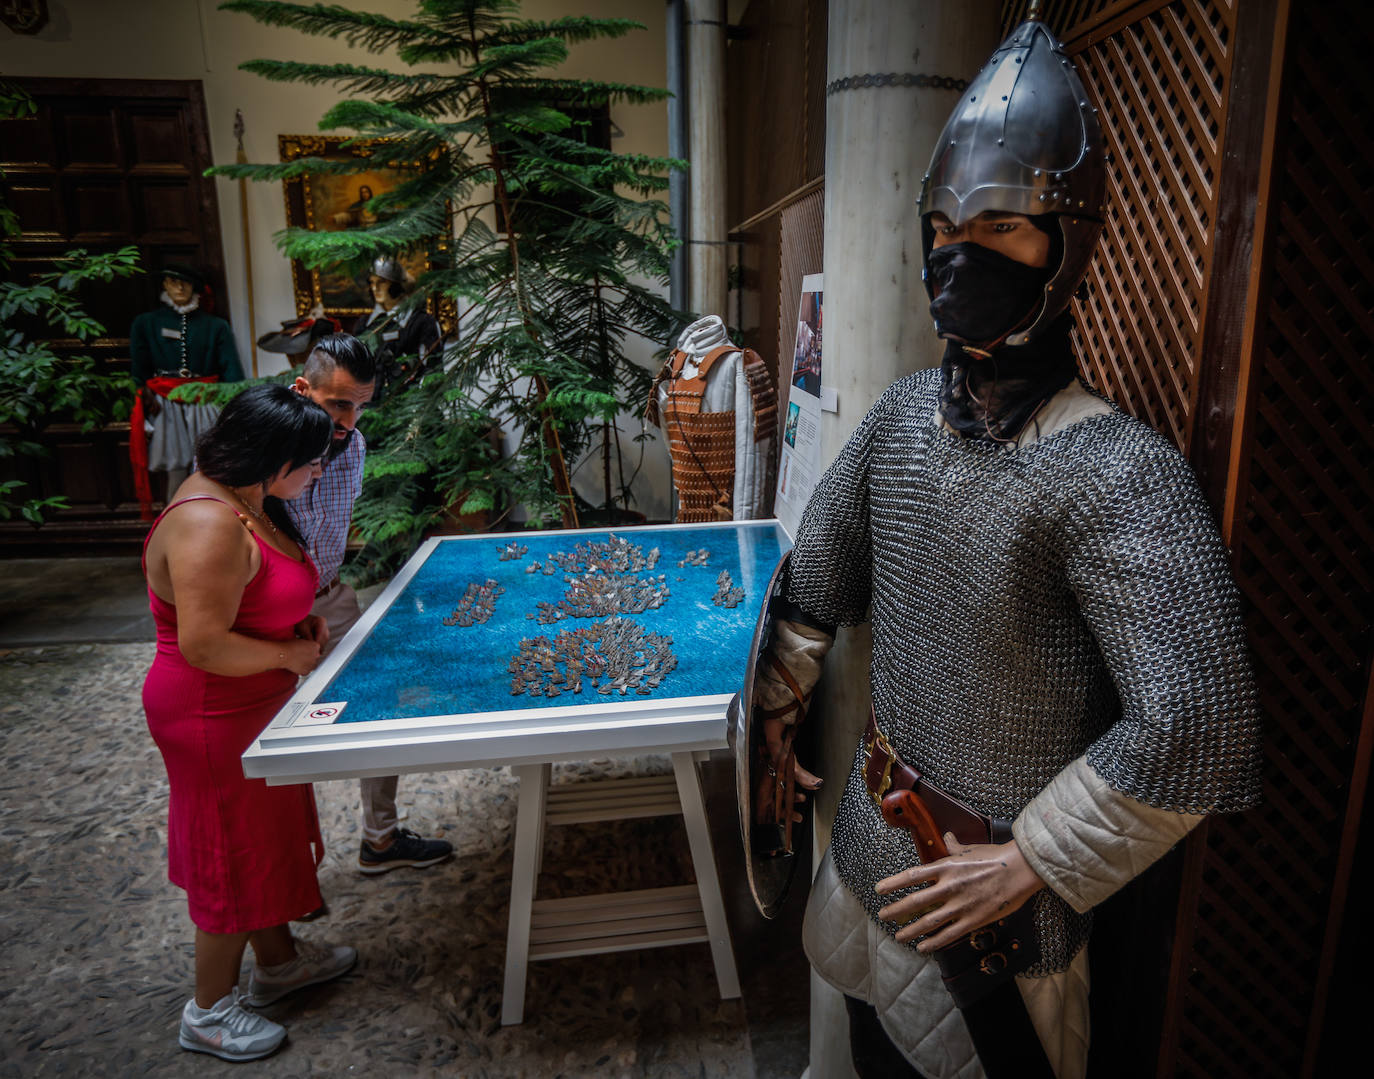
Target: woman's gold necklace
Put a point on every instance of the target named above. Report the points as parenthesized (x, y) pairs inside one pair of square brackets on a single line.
[(257, 513)]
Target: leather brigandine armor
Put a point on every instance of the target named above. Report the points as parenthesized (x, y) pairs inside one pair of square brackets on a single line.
[(702, 444)]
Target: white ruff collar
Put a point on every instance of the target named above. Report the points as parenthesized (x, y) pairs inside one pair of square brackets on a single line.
[(181, 309)]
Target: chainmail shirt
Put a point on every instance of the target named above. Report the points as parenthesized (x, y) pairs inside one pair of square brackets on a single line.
[(1029, 606)]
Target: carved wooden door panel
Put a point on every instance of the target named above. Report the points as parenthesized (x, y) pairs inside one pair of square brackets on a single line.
[(103, 164), (1231, 306)]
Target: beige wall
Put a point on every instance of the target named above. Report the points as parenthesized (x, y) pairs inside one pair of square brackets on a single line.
[(191, 39)]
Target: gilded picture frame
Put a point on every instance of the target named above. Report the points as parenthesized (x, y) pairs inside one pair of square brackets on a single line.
[(327, 202)]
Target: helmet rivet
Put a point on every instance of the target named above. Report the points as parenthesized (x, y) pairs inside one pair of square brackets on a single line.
[(1037, 172), (1042, 198), (1049, 288), (1082, 104), (1001, 141), (1081, 203)]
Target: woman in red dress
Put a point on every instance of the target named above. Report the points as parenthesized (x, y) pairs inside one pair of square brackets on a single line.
[(231, 588)]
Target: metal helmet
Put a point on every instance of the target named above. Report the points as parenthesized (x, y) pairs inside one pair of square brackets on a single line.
[(389, 269), (1024, 139)]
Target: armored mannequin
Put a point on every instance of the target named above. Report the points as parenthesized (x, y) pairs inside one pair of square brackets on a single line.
[(177, 342), (409, 342), (1059, 660), (718, 405)]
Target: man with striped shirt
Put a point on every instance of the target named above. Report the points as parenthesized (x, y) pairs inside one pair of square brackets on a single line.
[(340, 376)]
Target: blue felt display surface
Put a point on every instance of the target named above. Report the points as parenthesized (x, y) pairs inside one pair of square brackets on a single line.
[(412, 664)]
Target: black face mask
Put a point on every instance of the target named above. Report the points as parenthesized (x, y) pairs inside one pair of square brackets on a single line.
[(981, 295)]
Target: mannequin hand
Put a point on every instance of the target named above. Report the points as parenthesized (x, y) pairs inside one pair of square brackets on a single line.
[(299, 656), (313, 627), (975, 885)]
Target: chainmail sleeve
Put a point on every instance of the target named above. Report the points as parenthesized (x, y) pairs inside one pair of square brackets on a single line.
[(831, 573), (1154, 586)]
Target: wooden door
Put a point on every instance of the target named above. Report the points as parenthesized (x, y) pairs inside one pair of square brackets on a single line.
[(103, 164), (1231, 306)]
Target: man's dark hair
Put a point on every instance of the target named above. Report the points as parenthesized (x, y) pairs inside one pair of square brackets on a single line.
[(259, 431), (340, 351)]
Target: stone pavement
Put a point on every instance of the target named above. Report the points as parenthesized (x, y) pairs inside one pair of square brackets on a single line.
[(97, 943)]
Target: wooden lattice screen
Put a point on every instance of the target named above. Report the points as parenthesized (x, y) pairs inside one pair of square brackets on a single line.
[(1160, 83), (1303, 503), (1260, 917)]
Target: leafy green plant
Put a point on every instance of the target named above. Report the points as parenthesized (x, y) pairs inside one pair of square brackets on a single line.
[(37, 384), (556, 248)]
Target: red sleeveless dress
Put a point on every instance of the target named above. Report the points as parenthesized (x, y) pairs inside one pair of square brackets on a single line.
[(244, 852)]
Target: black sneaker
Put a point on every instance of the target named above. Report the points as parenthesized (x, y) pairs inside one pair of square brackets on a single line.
[(406, 848)]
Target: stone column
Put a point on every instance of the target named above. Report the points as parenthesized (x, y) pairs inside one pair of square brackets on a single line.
[(706, 248), (879, 139)]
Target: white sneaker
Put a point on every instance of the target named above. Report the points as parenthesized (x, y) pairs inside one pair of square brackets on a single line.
[(228, 1030), (313, 964)]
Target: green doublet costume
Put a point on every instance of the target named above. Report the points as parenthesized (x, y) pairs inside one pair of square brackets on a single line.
[(156, 342)]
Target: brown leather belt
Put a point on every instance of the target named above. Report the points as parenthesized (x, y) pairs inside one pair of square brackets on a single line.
[(884, 771), (327, 588)]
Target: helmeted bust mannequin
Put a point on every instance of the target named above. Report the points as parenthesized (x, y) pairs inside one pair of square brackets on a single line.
[(405, 340), (718, 406)]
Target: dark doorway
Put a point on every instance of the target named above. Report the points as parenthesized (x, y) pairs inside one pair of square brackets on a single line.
[(105, 163)]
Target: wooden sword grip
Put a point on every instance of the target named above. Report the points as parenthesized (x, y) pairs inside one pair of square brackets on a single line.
[(904, 809)]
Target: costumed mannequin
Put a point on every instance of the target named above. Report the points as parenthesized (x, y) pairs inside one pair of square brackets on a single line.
[(408, 342), (1060, 678), (178, 342), (719, 407)]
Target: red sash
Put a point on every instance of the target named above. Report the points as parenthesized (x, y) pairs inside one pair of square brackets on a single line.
[(161, 385)]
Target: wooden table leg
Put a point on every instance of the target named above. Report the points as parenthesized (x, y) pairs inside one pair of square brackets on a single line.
[(529, 843), (704, 865)]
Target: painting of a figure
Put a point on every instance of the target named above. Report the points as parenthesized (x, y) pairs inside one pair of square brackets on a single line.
[(330, 203)]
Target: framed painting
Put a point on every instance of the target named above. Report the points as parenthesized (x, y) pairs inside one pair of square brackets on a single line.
[(330, 203)]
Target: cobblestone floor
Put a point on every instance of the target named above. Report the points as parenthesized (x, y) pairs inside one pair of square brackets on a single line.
[(97, 944)]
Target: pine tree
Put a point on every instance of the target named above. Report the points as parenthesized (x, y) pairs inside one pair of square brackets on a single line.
[(557, 245)]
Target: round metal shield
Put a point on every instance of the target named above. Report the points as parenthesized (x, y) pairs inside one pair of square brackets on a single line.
[(768, 867)]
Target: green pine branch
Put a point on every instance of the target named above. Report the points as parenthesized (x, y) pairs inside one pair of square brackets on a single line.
[(558, 299)]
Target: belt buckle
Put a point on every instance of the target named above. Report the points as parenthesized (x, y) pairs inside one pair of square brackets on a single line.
[(885, 783)]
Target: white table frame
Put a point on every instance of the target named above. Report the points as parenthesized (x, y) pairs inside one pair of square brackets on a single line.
[(297, 748)]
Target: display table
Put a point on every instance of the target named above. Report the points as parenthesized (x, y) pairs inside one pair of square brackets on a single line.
[(544, 647)]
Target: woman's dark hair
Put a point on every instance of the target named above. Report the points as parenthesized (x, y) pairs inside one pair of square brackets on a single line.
[(259, 431)]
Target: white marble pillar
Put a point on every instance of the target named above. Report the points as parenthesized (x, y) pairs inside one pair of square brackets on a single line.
[(878, 141), (707, 257)]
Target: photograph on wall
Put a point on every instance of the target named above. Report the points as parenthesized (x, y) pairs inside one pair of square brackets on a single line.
[(801, 434), (806, 356), (326, 202)]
